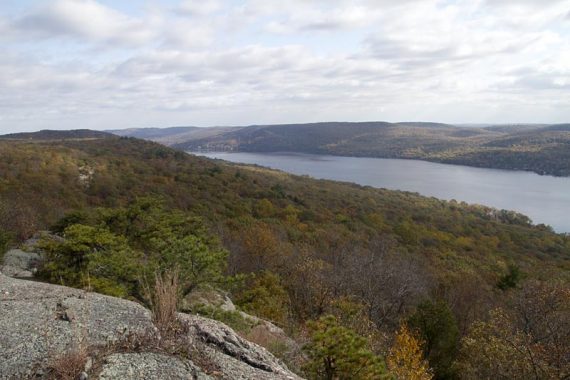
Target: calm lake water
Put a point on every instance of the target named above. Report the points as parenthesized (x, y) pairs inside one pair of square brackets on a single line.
[(544, 199)]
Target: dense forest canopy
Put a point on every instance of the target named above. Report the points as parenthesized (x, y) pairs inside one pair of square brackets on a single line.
[(454, 283)]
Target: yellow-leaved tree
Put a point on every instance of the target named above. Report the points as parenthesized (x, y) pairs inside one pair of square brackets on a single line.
[(406, 360)]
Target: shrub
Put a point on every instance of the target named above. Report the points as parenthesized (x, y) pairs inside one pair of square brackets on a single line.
[(197, 263), (74, 217), (92, 258), (511, 279), (437, 327), (119, 246), (336, 352), (232, 318), (266, 298), (5, 239)]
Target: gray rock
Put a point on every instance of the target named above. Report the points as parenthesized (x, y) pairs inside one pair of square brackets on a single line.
[(208, 297), (149, 366), (263, 331), (18, 263), (40, 320), (11, 271), (236, 357)]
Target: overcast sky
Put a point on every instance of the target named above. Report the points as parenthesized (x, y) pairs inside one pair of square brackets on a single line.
[(121, 64)]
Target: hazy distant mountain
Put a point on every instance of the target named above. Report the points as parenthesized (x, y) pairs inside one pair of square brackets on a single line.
[(172, 135), (57, 135), (515, 128), (148, 133), (544, 149), (356, 139)]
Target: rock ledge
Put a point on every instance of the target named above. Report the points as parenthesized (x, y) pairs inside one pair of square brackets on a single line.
[(40, 322)]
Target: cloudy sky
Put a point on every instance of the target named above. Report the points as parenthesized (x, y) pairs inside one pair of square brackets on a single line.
[(120, 64)]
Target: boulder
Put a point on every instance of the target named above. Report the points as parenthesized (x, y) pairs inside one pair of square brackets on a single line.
[(18, 263), (24, 262), (262, 332), (236, 357), (40, 322)]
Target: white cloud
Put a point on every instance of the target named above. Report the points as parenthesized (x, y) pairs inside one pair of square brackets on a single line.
[(314, 20), (257, 61), (83, 19), (199, 7)]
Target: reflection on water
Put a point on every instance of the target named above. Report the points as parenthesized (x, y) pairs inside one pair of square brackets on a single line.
[(544, 199)]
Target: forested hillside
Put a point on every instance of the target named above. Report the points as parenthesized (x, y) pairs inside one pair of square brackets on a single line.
[(480, 293), (172, 135), (538, 148)]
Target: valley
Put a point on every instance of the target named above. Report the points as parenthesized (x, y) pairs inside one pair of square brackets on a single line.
[(543, 149)]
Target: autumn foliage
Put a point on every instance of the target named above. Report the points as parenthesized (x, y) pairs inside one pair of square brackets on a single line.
[(406, 358), (482, 290)]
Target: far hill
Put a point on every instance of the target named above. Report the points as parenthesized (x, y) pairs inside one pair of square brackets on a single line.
[(359, 139), (172, 135), (149, 133), (47, 134), (514, 128), (544, 149)]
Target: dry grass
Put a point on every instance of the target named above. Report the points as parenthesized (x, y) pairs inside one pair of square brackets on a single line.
[(69, 365), (163, 299)]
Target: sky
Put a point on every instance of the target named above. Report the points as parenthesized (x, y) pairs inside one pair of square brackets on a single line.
[(108, 64)]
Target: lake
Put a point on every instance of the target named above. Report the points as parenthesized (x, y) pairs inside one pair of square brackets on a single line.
[(544, 199)]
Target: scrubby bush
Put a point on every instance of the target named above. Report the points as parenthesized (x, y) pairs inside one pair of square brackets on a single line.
[(336, 352), (126, 245), (92, 258), (436, 326), (266, 297), (232, 318), (5, 239)]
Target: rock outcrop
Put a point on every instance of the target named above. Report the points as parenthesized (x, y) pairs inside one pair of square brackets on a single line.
[(240, 358), (149, 366), (40, 322), (25, 261), (262, 331), (18, 263)]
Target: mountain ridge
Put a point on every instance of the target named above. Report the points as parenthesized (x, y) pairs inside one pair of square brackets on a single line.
[(51, 134), (543, 149)]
